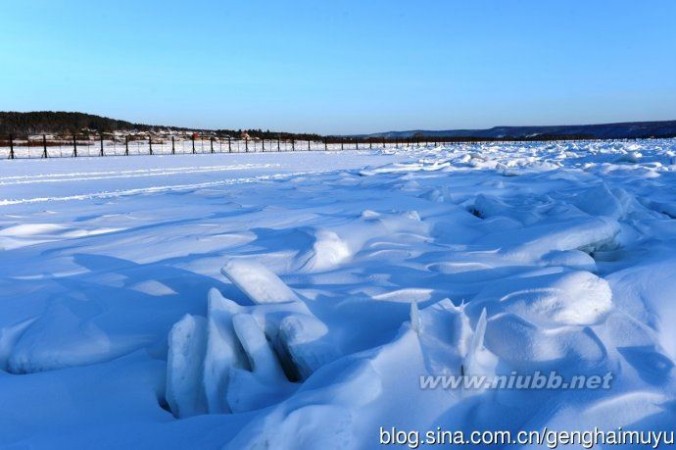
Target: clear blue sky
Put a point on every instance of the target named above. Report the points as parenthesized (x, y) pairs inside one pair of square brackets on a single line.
[(342, 66)]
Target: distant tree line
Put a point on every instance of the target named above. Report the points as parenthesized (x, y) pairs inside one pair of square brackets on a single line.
[(260, 134), (22, 124)]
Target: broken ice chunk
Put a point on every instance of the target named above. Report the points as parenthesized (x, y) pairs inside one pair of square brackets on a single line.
[(301, 342), (223, 351), (187, 346), (257, 282)]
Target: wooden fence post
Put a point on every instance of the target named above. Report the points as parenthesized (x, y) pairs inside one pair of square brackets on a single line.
[(278, 138), (246, 144), (211, 142), (173, 145), (11, 147), (326, 146), (229, 144), (293, 144), (44, 146), (126, 146), (342, 143), (74, 147), (150, 144), (193, 143), (101, 139)]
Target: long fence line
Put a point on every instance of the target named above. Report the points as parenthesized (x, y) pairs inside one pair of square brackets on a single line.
[(85, 146)]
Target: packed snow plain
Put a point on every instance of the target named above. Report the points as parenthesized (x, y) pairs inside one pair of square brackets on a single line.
[(293, 300)]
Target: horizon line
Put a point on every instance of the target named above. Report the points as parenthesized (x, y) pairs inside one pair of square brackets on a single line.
[(407, 130)]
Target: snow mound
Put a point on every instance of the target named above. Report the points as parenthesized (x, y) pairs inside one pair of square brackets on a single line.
[(328, 251), (573, 298), (639, 410), (600, 201), (306, 428), (60, 338), (523, 345), (588, 235)]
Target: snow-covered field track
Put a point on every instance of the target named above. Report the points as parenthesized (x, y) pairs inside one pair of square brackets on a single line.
[(294, 300)]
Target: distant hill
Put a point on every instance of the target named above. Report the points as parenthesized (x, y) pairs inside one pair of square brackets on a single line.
[(21, 124), (625, 130)]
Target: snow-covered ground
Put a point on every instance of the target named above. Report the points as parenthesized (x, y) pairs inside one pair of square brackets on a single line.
[(293, 301)]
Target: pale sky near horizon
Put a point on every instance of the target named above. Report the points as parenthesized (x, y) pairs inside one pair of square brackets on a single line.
[(344, 66)]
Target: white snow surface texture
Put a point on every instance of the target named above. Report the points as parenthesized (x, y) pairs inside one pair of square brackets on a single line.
[(292, 301)]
